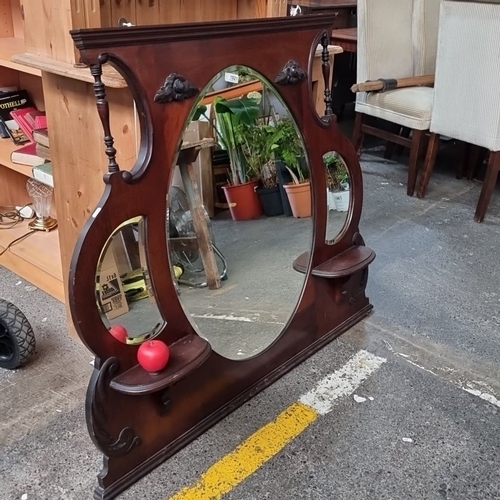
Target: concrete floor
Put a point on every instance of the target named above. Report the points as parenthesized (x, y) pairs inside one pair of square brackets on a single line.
[(435, 289)]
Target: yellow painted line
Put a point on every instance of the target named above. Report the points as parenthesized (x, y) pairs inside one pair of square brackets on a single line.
[(263, 444), (251, 454)]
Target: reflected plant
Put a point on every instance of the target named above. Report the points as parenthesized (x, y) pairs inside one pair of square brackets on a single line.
[(259, 143), (255, 137), (231, 117), (337, 175), (290, 149)]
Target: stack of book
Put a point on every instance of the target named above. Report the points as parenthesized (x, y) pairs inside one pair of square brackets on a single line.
[(41, 139), (26, 126)]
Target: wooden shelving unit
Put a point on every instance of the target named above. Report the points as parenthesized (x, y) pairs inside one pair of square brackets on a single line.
[(36, 258), (110, 77), (37, 54), (9, 47), (6, 148)]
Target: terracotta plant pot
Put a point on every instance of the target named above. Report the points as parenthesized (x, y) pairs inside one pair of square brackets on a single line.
[(299, 196), (243, 201)]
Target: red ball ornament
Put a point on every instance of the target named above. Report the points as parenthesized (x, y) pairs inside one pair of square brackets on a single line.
[(119, 332), (153, 355)]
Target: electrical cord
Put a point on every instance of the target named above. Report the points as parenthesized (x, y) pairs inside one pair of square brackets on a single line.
[(10, 217)]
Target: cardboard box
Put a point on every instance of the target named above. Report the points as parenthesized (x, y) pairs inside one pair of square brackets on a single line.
[(111, 294)]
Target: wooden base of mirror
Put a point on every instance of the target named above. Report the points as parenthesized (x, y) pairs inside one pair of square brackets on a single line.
[(138, 419)]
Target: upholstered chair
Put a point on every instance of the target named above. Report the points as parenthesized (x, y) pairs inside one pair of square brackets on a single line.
[(396, 39), (467, 87)]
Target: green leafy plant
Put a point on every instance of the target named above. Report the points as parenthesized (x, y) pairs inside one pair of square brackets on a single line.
[(290, 150), (254, 138), (337, 175), (231, 116), (259, 143)]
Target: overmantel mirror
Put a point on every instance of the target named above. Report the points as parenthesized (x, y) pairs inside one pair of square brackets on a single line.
[(195, 298)]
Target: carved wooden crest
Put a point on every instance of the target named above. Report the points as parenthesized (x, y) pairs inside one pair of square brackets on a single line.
[(175, 88)]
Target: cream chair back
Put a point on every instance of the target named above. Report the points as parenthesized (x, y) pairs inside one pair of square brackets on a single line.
[(396, 39), (425, 34), (467, 88), (384, 39)]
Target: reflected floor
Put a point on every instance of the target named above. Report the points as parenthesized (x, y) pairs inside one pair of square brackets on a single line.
[(253, 305), (142, 316), (335, 223), (256, 300)]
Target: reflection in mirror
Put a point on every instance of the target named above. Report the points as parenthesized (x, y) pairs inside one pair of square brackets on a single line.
[(232, 237), (123, 289), (337, 194)]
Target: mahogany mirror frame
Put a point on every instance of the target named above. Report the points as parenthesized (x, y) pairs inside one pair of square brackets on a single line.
[(137, 419)]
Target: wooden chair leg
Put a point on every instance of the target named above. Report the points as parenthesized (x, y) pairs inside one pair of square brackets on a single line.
[(391, 146), (476, 157), (489, 183), (358, 135), (430, 160), (463, 153), (413, 164), (405, 132)]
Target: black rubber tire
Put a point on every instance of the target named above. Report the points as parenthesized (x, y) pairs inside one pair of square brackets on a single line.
[(17, 341)]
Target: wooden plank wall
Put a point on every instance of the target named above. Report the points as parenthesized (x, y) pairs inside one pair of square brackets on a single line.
[(11, 20), (48, 22), (182, 11), (47, 25)]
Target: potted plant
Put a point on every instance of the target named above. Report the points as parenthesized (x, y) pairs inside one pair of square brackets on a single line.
[(337, 176), (291, 152), (258, 145), (231, 116)]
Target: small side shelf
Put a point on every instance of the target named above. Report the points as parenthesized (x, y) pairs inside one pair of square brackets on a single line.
[(186, 355), (301, 263), (346, 263)]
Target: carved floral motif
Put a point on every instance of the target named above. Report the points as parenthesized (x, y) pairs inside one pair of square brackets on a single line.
[(175, 88), (292, 73)]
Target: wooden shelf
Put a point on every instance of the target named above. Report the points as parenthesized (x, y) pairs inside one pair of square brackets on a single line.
[(110, 77), (185, 356), (36, 258), (6, 148), (9, 47), (301, 263), (346, 263)]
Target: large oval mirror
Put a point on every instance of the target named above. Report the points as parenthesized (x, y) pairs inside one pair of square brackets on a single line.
[(123, 288), (239, 214)]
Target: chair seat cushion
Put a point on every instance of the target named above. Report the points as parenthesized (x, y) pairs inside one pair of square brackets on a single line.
[(409, 107)]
